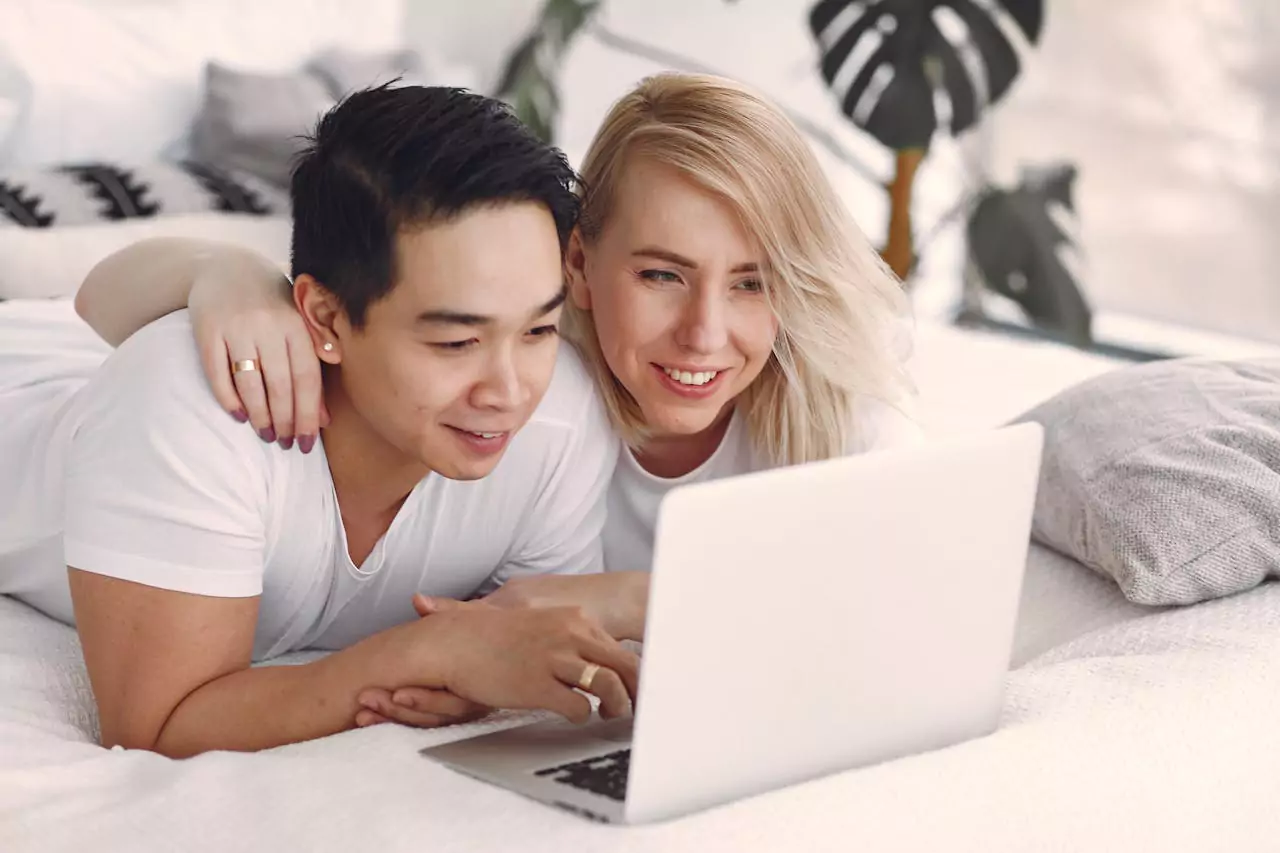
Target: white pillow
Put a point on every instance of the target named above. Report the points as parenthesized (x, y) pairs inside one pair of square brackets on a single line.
[(121, 80), (38, 263)]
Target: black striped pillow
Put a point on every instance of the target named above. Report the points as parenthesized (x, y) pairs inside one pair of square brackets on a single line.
[(87, 193)]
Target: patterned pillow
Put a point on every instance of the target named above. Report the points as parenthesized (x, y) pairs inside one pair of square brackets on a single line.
[(89, 193)]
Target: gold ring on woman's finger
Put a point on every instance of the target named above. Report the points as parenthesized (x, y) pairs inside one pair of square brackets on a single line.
[(248, 364), (588, 676)]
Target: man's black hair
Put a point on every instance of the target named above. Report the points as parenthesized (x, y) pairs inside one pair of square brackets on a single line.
[(395, 157)]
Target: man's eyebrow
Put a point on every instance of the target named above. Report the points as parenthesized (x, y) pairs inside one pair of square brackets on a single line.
[(681, 260), (553, 303), (444, 316)]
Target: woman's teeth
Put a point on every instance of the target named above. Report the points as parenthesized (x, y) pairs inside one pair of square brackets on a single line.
[(684, 377), (486, 434)]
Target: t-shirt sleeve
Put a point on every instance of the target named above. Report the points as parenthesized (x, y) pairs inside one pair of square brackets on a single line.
[(563, 535), (163, 488)]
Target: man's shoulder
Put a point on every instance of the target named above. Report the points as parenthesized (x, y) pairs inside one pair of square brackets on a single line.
[(155, 381)]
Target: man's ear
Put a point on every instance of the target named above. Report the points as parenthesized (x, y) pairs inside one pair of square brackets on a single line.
[(323, 314), (575, 270)]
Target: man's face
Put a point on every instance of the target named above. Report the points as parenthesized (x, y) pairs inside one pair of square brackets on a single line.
[(458, 355)]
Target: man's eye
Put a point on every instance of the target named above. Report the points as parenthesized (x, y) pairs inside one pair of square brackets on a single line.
[(454, 345), (543, 331)]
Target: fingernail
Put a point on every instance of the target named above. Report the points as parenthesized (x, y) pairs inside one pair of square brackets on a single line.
[(268, 435), (403, 701), (240, 415), (306, 442), (286, 443)]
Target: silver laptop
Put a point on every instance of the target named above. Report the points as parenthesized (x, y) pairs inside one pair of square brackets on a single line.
[(802, 621)]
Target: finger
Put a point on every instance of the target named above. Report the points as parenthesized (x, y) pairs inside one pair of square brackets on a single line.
[(308, 390), (366, 717), (250, 388), (418, 717), (440, 702), (273, 354), (564, 700), (426, 605), (217, 370), (608, 654), (605, 683), (373, 698), (423, 605)]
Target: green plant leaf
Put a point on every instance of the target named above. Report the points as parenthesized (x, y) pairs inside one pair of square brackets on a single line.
[(896, 58), (1015, 243), (529, 80)]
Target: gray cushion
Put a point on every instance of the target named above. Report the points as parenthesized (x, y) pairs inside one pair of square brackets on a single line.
[(257, 123), (346, 71), (1166, 477)]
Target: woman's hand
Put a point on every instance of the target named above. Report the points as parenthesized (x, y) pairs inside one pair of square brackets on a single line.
[(617, 600), (244, 311)]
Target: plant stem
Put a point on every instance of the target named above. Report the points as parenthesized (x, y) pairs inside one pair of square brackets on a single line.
[(898, 251)]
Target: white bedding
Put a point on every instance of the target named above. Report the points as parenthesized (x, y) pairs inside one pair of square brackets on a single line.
[(1124, 729)]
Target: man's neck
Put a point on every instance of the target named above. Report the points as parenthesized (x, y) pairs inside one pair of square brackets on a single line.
[(370, 477), (677, 455)]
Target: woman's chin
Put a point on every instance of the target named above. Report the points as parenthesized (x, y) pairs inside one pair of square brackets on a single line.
[(682, 420)]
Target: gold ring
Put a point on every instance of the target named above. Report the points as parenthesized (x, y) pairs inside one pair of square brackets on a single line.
[(245, 365), (588, 676)]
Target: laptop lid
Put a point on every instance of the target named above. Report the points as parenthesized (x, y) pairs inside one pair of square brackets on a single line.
[(810, 619)]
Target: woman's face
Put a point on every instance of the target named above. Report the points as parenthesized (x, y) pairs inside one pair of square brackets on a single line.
[(674, 286)]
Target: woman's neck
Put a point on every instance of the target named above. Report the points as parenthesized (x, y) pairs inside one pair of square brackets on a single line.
[(671, 456)]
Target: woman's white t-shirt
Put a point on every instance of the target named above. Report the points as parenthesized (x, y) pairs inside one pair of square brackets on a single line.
[(635, 494), (123, 464)]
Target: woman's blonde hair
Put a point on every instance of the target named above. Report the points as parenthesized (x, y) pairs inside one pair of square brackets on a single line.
[(838, 305)]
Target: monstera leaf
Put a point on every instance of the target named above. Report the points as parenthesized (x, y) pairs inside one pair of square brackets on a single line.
[(898, 46), (896, 58), (1015, 244), (529, 80)]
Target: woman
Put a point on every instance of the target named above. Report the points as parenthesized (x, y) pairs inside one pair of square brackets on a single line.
[(735, 317)]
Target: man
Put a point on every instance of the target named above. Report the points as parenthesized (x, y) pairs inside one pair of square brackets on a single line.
[(464, 448)]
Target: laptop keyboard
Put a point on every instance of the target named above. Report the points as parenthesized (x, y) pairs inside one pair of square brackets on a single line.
[(604, 774)]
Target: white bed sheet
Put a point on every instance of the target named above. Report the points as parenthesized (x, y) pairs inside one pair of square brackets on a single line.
[(1124, 728)]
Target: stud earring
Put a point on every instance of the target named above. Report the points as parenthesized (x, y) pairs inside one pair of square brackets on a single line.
[(328, 346)]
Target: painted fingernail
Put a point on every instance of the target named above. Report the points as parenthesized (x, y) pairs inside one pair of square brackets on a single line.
[(306, 443), (241, 415), (286, 443), (268, 435)]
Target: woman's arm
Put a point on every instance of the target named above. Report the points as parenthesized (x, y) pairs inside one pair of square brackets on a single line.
[(152, 278), (241, 308)]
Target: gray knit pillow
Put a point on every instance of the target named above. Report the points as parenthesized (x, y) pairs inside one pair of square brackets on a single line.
[(1166, 477)]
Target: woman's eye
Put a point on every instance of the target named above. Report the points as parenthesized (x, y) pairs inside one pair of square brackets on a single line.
[(751, 285), (659, 275), (543, 331)]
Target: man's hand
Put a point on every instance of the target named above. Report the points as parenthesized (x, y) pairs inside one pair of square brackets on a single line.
[(523, 659), (421, 707)]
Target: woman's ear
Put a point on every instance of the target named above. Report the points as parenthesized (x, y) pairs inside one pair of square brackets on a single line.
[(575, 269), (323, 315)]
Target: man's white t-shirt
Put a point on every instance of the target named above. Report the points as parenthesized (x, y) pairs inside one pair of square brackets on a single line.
[(635, 494), (156, 484)]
